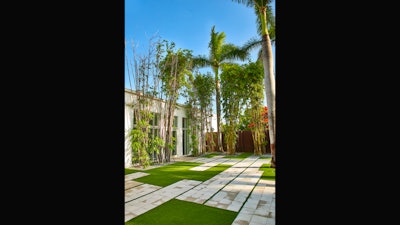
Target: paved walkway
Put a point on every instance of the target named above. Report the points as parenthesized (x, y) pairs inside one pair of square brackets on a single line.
[(208, 163), (149, 201), (238, 188)]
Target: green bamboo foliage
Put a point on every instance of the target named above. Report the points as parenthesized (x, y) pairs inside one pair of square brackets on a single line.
[(192, 119), (233, 95), (257, 128), (139, 140), (176, 66), (202, 91), (242, 93), (230, 137), (253, 74), (220, 53), (266, 27), (141, 70), (191, 115)]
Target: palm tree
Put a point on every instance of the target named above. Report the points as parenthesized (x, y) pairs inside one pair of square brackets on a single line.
[(220, 52), (264, 15)]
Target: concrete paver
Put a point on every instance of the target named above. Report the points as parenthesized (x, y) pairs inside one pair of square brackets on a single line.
[(136, 175), (208, 188), (260, 207), (233, 195), (208, 165), (139, 191), (131, 183), (232, 161), (206, 160), (238, 188), (147, 202)]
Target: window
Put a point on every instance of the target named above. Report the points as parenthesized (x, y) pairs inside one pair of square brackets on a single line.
[(174, 142), (184, 123), (154, 130), (185, 138), (156, 119), (134, 118), (175, 122)]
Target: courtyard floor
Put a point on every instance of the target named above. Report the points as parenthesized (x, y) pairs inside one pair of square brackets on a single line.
[(238, 188)]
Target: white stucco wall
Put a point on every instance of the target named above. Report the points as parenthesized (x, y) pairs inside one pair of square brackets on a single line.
[(179, 112), (128, 125)]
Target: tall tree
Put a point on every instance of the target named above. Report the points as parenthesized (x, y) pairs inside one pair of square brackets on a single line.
[(220, 52), (263, 11), (203, 90), (233, 93), (175, 67), (141, 70), (253, 75)]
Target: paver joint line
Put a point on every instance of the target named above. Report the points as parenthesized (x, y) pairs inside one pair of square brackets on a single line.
[(238, 188)]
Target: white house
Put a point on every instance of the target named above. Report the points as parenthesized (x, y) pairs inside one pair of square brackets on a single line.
[(180, 122)]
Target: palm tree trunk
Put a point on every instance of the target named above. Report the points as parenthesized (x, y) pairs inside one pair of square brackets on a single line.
[(218, 105), (269, 82), (202, 130)]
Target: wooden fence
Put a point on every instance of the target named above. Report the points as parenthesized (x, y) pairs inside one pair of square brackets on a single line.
[(244, 142)]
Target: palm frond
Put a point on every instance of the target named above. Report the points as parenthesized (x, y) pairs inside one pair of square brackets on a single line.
[(259, 55), (215, 44), (270, 19), (258, 21), (211, 44), (272, 35), (201, 61), (251, 44), (270, 16), (271, 24), (248, 3), (252, 3), (262, 2), (233, 52)]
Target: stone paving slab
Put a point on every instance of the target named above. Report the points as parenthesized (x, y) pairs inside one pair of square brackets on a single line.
[(206, 160), (232, 161), (136, 175), (208, 188), (256, 165), (234, 195), (139, 191), (228, 190), (147, 202), (131, 183), (260, 206), (208, 165)]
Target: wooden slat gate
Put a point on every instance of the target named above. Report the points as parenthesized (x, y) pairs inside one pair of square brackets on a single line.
[(244, 141)]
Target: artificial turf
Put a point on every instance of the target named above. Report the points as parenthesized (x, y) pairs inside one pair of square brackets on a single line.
[(210, 155), (128, 171), (177, 212), (169, 174), (269, 173), (242, 155)]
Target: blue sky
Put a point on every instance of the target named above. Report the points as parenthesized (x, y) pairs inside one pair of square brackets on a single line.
[(188, 23)]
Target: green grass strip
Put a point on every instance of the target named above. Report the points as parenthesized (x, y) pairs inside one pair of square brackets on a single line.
[(269, 173), (210, 155), (129, 171), (240, 155), (169, 174), (177, 212)]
